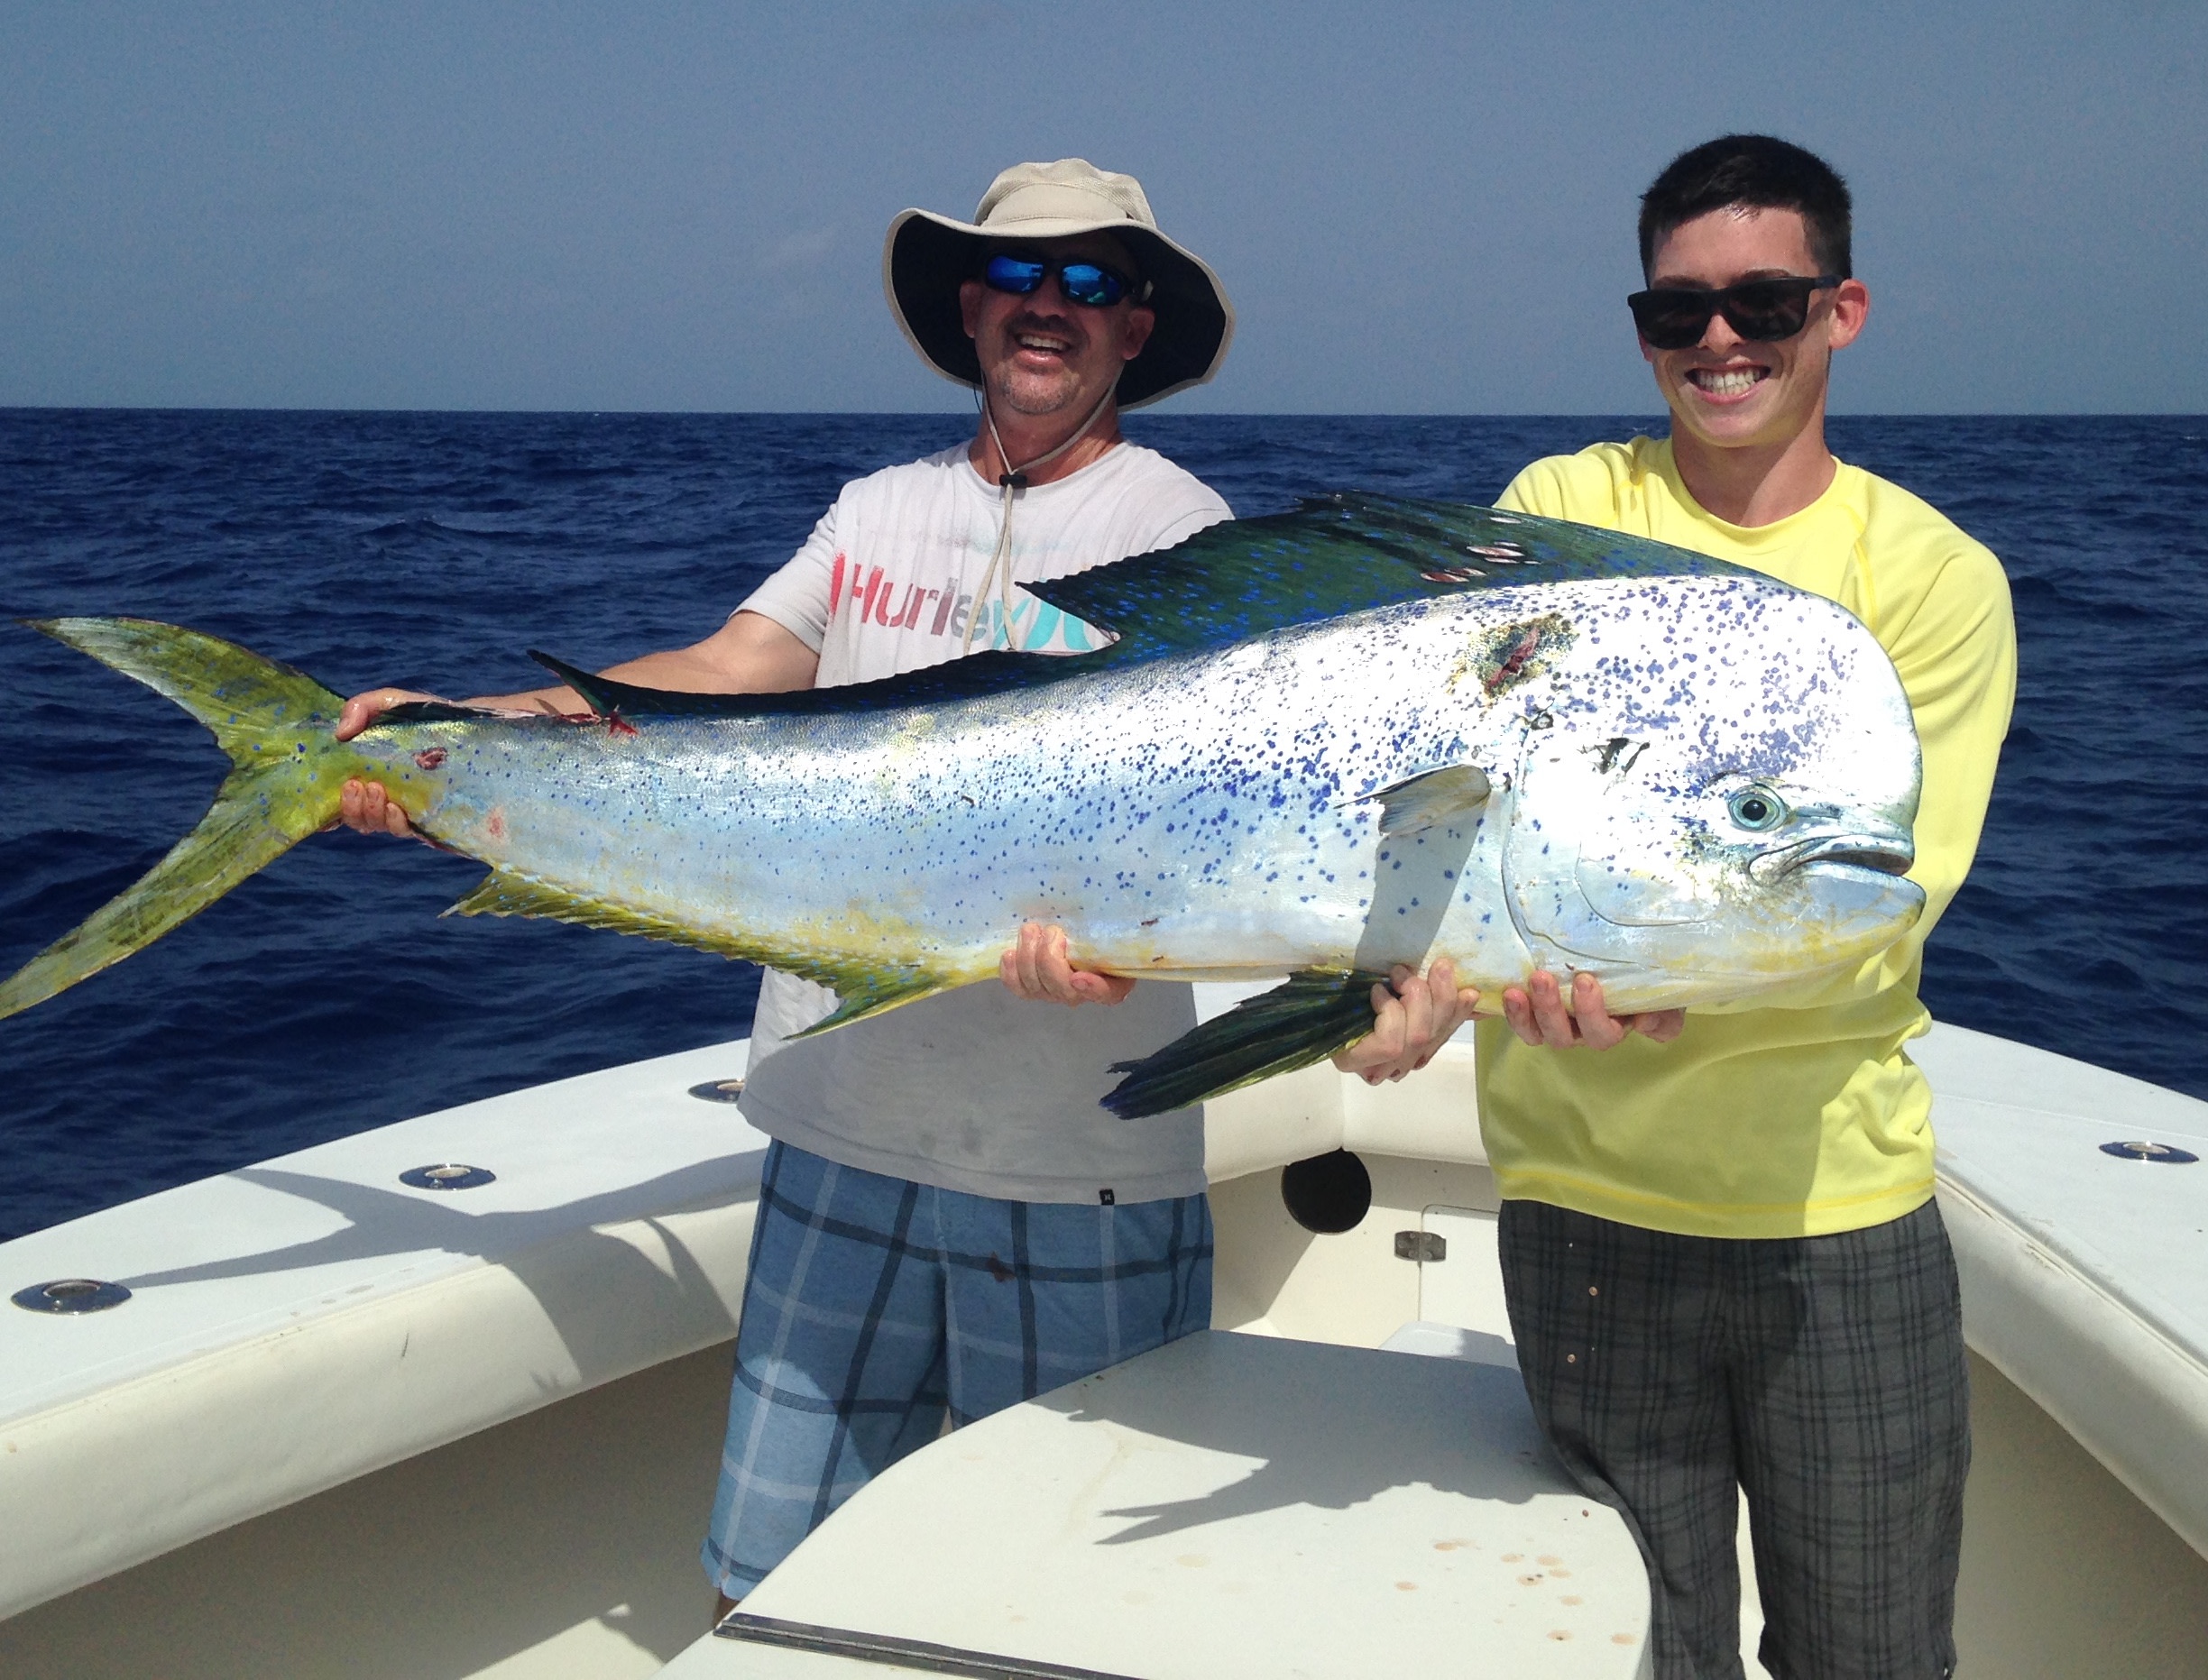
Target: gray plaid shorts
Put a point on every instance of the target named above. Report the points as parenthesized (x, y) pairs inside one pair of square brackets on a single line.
[(876, 1307), (1823, 1376)]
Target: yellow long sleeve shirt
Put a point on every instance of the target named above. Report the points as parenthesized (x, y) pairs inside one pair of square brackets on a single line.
[(1793, 1114)]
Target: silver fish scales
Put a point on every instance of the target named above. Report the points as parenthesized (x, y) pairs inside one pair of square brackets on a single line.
[(1324, 743)]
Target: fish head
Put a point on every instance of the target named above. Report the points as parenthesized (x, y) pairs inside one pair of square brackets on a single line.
[(1694, 828)]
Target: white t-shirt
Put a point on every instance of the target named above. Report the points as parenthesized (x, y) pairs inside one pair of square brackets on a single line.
[(972, 1089)]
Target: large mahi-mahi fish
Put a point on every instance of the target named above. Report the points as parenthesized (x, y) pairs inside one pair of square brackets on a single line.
[(1325, 742)]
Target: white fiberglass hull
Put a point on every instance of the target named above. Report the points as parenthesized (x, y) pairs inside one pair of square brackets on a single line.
[(322, 1428)]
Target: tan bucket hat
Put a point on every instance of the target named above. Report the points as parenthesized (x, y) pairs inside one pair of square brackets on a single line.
[(926, 256)]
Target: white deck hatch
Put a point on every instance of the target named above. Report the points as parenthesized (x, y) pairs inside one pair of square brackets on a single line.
[(1229, 1505)]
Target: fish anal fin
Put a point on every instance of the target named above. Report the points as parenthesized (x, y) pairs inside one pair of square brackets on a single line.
[(863, 992), (508, 893), (1432, 798), (862, 989), (1306, 1019)]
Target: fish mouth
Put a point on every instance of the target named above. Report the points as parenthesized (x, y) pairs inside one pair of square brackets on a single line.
[(1877, 854)]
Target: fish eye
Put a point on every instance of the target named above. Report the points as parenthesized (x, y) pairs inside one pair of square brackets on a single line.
[(1757, 809)]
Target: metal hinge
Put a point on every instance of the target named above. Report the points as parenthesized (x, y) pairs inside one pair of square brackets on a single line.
[(1420, 1246)]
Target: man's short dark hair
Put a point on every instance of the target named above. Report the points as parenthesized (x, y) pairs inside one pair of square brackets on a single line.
[(1757, 173)]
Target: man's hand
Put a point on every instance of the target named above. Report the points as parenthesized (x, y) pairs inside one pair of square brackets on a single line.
[(1412, 1018), (1036, 969), (751, 654), (364, 708), (1539, 1015), (365, 806)]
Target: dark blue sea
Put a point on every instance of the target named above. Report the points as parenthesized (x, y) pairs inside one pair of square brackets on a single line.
[(326, 996)]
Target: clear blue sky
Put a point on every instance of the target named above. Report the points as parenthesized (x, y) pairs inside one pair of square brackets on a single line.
[(1416, 207)]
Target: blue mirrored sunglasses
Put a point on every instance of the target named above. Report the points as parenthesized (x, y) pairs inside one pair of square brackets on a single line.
[(1081, 281)]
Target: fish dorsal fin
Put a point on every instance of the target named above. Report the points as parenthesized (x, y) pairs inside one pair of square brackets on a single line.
[(989, 672), (433, 711), (1335, 554), (603, 696), (1340, 554), (1432, 798), (861, 989)]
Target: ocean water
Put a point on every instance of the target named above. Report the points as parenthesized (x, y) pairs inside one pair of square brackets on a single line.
[(326, 994)]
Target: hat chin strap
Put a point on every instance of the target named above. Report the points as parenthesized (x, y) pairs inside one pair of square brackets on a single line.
[(1013, 480)]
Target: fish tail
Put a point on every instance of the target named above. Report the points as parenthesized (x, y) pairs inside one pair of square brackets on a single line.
[(288, 775)]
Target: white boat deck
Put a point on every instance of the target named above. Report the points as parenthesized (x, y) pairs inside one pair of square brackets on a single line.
[(1226, 1505)]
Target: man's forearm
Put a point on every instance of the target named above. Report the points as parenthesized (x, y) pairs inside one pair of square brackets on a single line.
[(677, 669), (749, 655)]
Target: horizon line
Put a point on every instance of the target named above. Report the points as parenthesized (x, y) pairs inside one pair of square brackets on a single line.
[(1138, 416)]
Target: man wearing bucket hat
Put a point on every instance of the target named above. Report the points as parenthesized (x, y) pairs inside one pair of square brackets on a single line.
[(949, 1222)]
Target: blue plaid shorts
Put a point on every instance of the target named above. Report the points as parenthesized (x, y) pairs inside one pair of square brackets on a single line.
[(876, 1307)]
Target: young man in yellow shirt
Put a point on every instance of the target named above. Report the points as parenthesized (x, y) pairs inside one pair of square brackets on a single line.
[(1724, 1262)]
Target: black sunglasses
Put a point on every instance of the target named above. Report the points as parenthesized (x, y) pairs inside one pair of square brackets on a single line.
[(1675, 318), (1082, 281)]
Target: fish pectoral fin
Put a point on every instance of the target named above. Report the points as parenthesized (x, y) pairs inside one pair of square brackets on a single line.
[(1307, 1019), (1432, 798)]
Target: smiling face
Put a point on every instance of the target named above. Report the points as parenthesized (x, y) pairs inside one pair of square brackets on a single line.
[(1043, 354), (1729, 392)]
